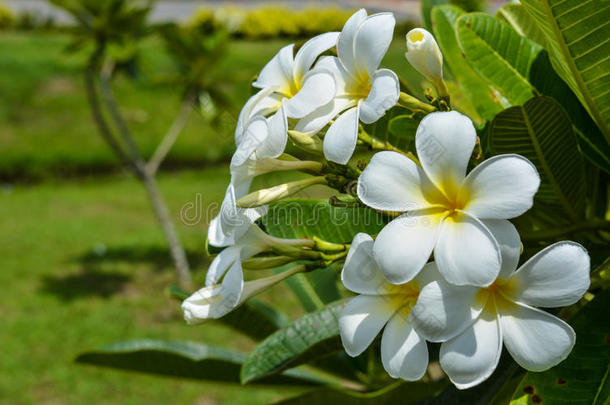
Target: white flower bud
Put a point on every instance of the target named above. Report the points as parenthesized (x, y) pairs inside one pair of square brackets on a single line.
[(424, 54)]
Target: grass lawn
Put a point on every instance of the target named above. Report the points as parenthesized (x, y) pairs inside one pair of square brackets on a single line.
[(83, 265)]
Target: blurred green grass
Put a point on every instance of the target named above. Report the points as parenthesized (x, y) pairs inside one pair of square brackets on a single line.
[(45, 124), (83, 264), (82, 259)]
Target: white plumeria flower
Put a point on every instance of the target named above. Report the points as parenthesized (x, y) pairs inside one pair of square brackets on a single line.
[(474, 322), (364, 92), (288, 80), (228, 263), (447, 211), (232, 222), (424, 54), (212, 303), (404, 352), (263, 141)]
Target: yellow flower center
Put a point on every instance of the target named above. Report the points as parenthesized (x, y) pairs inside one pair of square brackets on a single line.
[(360, 87), (498, 291), (403, 297), (415, 36)]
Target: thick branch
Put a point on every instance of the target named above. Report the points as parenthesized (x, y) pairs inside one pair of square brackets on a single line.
[(159, 207), (96, 110)]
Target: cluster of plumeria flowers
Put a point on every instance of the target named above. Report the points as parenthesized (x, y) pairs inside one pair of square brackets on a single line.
[(471, 298)]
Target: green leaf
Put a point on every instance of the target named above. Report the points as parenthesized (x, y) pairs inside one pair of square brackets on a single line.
[(498, 54), (255, 319), (515, 15), (481, 95), (380, 129), (398, 393), (310, 337), (426, 11), (584, 377), (403, 128), (519, 68), (591, 141), (181, 359), (300, 218), (577, 37), (541, 131)]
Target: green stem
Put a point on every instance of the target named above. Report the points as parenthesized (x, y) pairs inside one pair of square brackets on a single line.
[(413, 104), (376, 144), (551, 234), (269, 195)]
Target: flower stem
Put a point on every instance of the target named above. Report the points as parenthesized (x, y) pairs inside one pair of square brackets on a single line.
[(272, 194), (413, 104), (376, 144)]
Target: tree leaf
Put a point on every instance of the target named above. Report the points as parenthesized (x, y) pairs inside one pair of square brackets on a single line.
[(300, 218), (398, 393), (518, 67), (403, 128), (255, 319), (426, 11), (181, 359), (499, 54), (481, 95), (591, 141), (584, 377), (541, 131), (577, 38), (310, 337), (515, 15)]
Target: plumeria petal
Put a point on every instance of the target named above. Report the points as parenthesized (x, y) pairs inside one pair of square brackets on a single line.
[(278, 71), (263, 100), (555, 277), (405, 244), (501, 187), (232, 284), (318, 119), (341, 137), (333, 65), (361, 320), (371, 42), (466, 252), (393, 182), (443, 310), (428, 274), (318, 89), (472, 356), (536, 339), (309, 52), (444, 143), (216, 236), (384, 94), (256, 132), (424, 54), (221, 264), (404, 352), (508, 239), (345, 43), (277, 136), (361, 274)]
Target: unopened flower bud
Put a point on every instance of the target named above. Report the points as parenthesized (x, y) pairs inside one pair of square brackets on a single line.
[(424, 54)]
